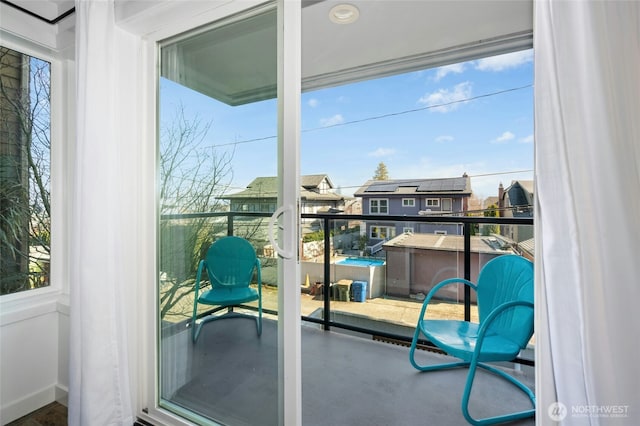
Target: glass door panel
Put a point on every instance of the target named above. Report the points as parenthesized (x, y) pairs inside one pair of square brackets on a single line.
[(218, 177)]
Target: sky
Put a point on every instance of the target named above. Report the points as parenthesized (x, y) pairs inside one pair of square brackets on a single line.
[(474, 117)]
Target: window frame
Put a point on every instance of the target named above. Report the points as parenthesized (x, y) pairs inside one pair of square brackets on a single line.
[(432, 202), (442, 204), (408, 202), (379, 207), (60, 123), (390, 232)]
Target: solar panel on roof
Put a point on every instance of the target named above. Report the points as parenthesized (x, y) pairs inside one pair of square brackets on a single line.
[(434, 185), (442, 185), (382, 187)]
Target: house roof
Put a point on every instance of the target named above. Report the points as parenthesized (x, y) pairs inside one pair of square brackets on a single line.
[(520, 193), (313, 181), (441, 186), (479, 244), (267, 187)]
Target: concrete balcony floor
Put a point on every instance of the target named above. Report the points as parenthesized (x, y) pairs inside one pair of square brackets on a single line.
[(346, 380)]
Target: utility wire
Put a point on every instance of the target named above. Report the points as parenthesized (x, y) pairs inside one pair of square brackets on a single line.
[(378, 117)]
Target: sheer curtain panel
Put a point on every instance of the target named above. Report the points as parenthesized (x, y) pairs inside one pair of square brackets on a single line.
[(104, 236), (587, 130)]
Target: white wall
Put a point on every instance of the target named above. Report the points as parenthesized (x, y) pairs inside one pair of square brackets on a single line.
[(30, 351)]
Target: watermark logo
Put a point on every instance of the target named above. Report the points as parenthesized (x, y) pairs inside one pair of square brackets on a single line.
[(557, 411)]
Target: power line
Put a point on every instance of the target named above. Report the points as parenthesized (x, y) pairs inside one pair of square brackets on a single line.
[(388, 115)]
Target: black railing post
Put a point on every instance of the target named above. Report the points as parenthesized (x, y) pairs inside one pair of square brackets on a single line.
[(467, 270), (327, 274), (230, 217)]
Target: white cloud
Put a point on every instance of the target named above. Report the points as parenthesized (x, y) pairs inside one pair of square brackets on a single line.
[(444, 138), (381, 152), (444, 100), (332, 121), (313, 102), (527, 139), (506, 61), (504, 138), (441, 72)]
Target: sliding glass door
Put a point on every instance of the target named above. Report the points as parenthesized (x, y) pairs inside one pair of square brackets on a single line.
[(221, 155)]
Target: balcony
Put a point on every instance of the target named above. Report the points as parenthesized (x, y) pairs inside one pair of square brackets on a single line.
[(355, 365)]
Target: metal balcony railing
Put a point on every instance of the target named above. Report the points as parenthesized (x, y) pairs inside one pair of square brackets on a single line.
[(327, 222)]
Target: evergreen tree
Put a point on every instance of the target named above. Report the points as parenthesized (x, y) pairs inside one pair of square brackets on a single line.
[(381, 172)]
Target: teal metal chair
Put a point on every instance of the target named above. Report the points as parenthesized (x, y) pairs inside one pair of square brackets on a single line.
[(505, 309), (230, 264)]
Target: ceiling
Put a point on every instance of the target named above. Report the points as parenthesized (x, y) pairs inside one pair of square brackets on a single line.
[(49, 11), (236, 62)]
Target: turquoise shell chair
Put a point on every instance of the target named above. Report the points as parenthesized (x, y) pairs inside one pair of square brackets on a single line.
[(230, 263), (505, 309)]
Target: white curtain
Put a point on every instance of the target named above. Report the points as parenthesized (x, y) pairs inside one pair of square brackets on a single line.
[(104, 234), (587, 130)]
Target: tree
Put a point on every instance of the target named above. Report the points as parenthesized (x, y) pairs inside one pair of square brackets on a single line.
[(25, 209), (192, 177), (381, 172), (491, 211)]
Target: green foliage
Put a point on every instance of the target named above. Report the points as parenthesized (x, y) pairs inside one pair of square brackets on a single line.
[(491, 211), (381, 172), (313, 236)]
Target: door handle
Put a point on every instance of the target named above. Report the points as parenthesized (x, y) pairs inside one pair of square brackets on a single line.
[(286, 254)]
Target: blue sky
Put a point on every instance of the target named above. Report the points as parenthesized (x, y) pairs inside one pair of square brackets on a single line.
[(474, 117)]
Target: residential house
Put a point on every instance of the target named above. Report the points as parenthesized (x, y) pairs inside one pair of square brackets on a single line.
[(516, 201), (317, 194), (412, 197)]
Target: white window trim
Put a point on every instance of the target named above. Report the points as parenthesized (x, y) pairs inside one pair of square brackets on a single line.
[(435, 200), (408, 202), (386, 200), (389, 230), (451, 204), (59, 122)]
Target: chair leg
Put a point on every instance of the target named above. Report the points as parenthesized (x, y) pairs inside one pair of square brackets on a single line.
[(412, 358), (197, 325), (497, 419)]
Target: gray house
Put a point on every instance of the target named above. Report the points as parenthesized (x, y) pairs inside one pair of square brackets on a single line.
[(413, 197), (516, 201)]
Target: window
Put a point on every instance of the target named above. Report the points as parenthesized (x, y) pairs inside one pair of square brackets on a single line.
[(382, 232), (408, 202), (447, 204), (25, 208), (407, 230), (433, 202), (379, 206)]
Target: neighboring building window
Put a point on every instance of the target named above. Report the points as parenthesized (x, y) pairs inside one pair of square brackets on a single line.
[(25, 145), (447, 204), (408, 202), (382, 232), (379, 206), (407, 230), (433, 202)]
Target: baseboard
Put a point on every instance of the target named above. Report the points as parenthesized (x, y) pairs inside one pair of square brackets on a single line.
[(16, 409)]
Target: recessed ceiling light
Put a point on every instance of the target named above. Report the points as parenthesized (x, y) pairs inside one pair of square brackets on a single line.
[(344, 14)]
